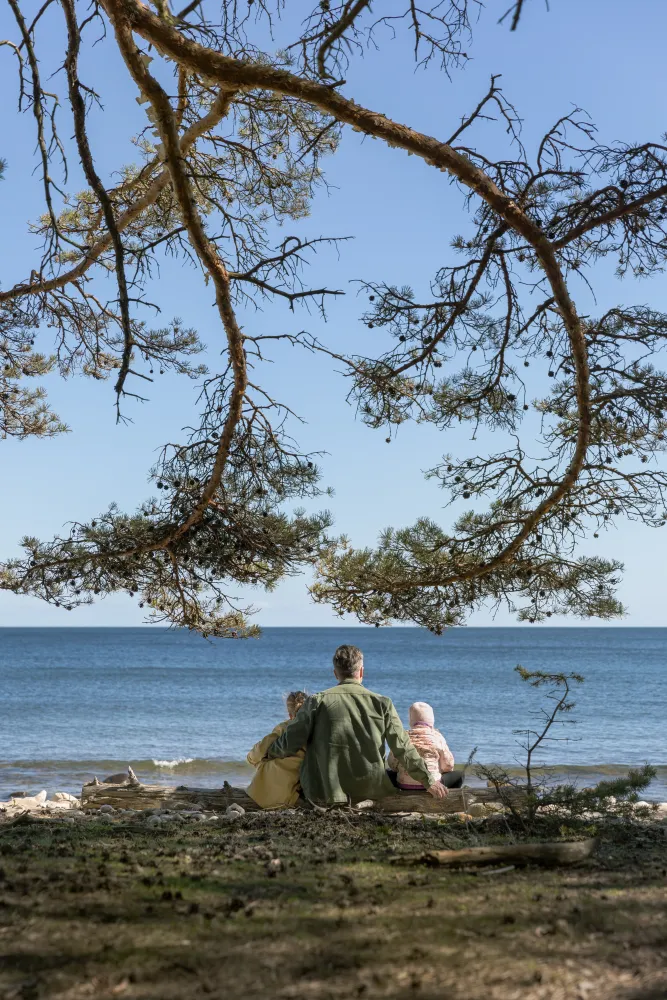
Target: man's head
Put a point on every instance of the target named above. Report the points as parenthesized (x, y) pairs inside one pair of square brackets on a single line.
[(348, 663)]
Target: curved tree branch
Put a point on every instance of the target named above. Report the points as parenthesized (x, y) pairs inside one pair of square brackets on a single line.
[(247, 75)]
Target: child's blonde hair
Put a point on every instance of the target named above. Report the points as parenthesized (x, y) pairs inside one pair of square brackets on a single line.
[(294, 701)]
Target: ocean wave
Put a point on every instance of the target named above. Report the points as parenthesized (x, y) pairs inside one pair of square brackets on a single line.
[(103, 766), (585, 770), (174, 763)]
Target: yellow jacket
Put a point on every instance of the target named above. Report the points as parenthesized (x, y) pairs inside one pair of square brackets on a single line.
[(276, 782)]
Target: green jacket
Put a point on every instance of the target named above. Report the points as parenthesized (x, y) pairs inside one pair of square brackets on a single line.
[(344, 730)]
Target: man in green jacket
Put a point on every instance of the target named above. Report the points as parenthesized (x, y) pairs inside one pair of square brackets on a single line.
[(344, 730)]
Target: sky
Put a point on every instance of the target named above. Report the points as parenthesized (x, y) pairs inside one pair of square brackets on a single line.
[(401, 216)]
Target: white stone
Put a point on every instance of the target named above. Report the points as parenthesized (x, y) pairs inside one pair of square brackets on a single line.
[(30, 802), (234, 811), (109, 810), (65, 797)]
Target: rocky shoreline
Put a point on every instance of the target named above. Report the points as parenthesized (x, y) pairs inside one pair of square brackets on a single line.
[(70, 809)]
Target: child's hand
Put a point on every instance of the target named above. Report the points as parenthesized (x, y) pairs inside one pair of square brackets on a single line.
[(437, 790)]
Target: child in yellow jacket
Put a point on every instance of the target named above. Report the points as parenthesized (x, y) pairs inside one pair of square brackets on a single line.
[(276, 782)]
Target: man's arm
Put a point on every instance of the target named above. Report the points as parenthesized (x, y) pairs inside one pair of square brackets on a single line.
[(403, 750), (255, 755), (296, 734)]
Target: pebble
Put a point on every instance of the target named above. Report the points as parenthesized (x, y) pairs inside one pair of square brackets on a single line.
[(274, 866), (234, 811), (107, 809)]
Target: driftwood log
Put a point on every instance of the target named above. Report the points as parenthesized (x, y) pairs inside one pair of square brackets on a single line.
[(552, 853), (126, 796), (458, 800), (130, 796)]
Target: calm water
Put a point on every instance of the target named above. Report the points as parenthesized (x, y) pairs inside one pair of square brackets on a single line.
[(78, 702)]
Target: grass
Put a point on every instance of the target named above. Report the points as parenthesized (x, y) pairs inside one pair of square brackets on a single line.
[(120, 910)]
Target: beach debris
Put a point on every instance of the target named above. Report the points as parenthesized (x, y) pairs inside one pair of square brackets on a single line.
[(274, 866), (39, 803), (234, 811), (30, 802), (498, 871), (131, 777), (548, 853)]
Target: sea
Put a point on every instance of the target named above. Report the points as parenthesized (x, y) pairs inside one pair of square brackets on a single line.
[(80, 702)]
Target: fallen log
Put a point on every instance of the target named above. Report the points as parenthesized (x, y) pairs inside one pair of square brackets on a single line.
[(126, 796), (456, 800), (552, 853), (131, 796)]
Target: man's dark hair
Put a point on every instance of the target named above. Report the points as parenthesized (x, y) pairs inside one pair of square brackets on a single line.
[(348, 661)]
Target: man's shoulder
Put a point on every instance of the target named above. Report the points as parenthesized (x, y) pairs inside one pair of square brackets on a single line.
[(354, 691)]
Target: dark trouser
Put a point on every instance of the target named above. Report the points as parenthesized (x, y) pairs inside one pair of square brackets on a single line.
[(450, 779)]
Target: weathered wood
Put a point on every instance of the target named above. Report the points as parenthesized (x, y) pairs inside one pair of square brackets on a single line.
[(457, 800), (127, 796), (552, 853)]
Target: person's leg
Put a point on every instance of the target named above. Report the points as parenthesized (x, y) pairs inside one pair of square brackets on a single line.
[(452, 779)]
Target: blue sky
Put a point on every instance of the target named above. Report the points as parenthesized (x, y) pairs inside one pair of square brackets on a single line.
[(402, 216)]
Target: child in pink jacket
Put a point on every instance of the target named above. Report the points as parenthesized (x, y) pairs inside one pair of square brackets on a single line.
[(431, 745)]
